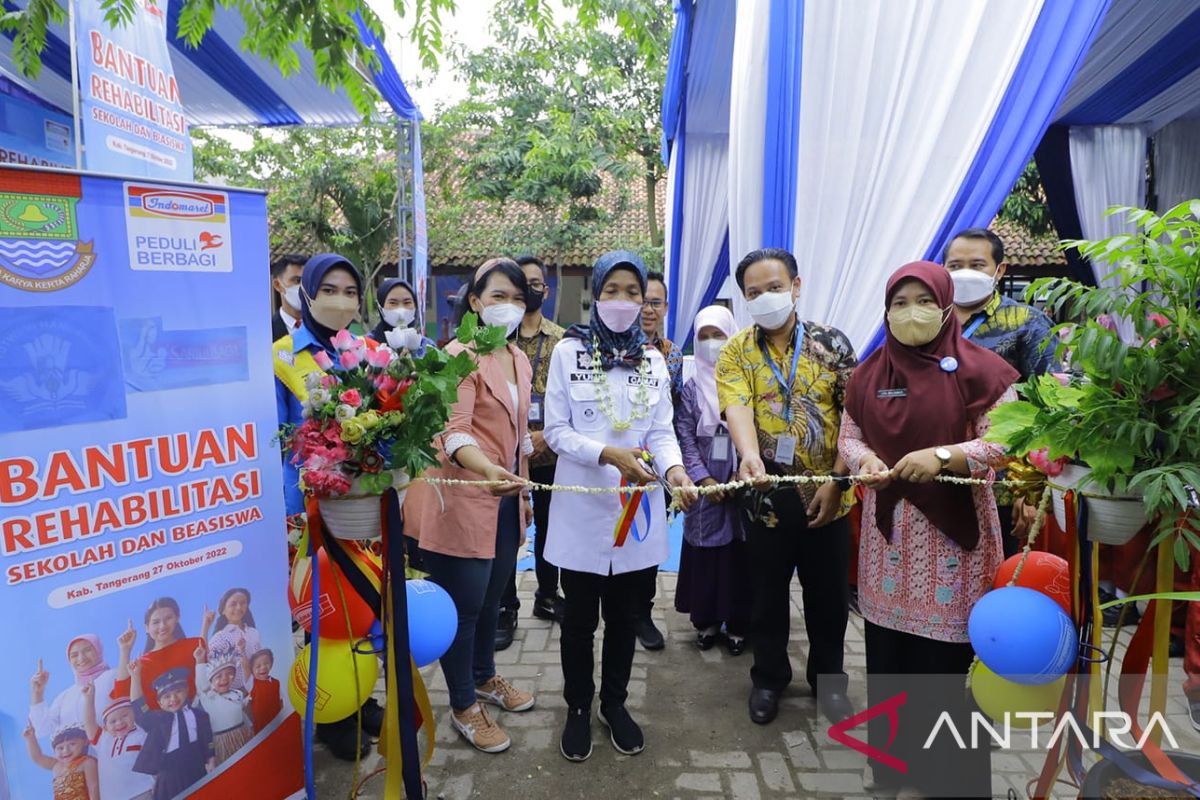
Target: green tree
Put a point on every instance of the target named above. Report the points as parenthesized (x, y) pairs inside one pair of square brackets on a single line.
[(335, 185), (1026, 204), (325, 27), (552, 111)]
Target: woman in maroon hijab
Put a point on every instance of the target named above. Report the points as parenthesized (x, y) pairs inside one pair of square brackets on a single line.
[(915, 409)]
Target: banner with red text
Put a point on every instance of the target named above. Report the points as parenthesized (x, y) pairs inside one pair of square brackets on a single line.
[(133, 119), (142, 540)]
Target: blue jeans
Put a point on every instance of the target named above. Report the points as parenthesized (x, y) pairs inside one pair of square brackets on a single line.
[(475, 585)]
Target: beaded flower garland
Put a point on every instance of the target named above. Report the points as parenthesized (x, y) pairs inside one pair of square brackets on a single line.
[(641, 398)]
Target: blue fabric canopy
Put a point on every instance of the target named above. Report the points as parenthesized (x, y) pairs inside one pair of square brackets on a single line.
[(221, 84)]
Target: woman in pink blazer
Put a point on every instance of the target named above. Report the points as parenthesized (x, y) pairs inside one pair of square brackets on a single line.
[(469, 535)]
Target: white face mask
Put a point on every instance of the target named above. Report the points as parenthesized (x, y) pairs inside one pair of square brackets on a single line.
[(291, 296), (971, 286), (618, 315), (771, 310), (707, 350), (398, 317), (503, 315)]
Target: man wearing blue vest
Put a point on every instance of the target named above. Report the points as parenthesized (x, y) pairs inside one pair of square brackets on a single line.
[(1018, 333)]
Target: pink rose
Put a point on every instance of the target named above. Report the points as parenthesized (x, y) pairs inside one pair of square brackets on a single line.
[(351, 397), (348, 359), (1041, 460), (386, 384), (323, 360), (343, 339)]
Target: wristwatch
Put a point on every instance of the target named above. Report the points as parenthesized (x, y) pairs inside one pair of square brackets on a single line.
[(943, 457)]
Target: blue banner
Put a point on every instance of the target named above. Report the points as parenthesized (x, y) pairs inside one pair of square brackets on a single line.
[(141, 500), (133, 120), (32, 132)]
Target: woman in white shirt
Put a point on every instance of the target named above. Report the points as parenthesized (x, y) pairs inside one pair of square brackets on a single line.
[(608, 410)]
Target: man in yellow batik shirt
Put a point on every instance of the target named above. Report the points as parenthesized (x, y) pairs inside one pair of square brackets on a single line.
[(781, 384)]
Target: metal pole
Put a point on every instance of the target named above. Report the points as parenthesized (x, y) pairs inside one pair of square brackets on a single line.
[(75, 101), (403, 202)]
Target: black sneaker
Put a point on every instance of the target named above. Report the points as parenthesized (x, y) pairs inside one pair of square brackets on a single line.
[(549, 608), (372, 718), (1112, 615), (576, 741), (506, 626), (649, 634), (625, 734), (343, 739)]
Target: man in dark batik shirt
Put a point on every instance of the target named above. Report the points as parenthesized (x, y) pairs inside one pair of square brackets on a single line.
[(1018, 333)]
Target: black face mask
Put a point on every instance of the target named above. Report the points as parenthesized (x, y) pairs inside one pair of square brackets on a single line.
[(533, 301)]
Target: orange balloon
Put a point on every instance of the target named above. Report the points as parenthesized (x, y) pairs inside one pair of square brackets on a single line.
[(1045, 572), (332, 612)]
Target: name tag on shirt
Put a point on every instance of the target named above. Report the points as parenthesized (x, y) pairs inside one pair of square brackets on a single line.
[(885, 394), (785, 449), (719, 452), (535, 409)]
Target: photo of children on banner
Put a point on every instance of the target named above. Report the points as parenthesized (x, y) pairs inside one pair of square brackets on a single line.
[(266, 695), (179, 748), (235, 628), (225, 705), (74, 771), (118, 742), (167, 648)]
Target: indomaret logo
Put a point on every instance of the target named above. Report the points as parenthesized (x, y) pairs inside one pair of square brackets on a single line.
[(40, 249), (147, 201)]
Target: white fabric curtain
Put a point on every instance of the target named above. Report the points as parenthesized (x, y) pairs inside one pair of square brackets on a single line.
[(706, 157), (897, 98), (1108, 168), (747, 117), (1177, 163)]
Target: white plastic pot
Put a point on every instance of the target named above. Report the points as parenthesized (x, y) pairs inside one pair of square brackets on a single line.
[(1112, 519), (356, 514)]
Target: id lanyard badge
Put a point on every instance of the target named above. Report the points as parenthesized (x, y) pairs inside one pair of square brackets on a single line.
[(785, 446), (537, 415), (718, 452)]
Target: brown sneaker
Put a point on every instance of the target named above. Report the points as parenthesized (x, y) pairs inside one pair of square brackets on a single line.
[(500, 692), (479, 730)]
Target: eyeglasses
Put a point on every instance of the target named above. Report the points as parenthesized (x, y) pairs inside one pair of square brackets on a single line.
[(654, 304)]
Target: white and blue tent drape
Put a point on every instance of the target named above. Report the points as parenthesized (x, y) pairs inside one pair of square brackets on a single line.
[(863, 134), (1140, 76), (220, 83)]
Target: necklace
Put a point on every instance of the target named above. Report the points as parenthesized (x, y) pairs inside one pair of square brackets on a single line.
[(641, 398)]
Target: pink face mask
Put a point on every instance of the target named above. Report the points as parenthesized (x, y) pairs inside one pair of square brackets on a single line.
[(618, 315)]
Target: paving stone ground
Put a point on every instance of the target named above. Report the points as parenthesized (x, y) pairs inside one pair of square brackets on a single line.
[(699, 740)]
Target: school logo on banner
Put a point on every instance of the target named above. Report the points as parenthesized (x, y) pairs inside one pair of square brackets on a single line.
[(40, 249), (177, 230)]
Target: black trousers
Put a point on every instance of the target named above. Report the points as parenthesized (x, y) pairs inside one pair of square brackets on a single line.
[(1011, 544), (821, 558), (547, 573), (933, 674), (621, 599)]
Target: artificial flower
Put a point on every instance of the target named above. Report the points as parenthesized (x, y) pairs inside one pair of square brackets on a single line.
[(349, 359), (380, 357), (352, 397), (1041, 460), (323, 360), (353, 431), (319, 397), (369, 419), (372, 462), (343, 412), (312, 380), (343, 340)]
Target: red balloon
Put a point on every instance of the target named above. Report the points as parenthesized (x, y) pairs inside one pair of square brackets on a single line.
[(333, 613), (1045, 572)]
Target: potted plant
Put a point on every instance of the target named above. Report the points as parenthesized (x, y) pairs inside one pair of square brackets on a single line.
[(1127, 416), (370, 422)]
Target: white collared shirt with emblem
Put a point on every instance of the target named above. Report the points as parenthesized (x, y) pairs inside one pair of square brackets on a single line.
[(581, 530)]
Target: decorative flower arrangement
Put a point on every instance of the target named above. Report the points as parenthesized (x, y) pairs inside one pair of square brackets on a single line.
[(1129, 410), (373, 413)]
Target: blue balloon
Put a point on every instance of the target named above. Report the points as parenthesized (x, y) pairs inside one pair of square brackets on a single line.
[(432, 621), (1023, 635)]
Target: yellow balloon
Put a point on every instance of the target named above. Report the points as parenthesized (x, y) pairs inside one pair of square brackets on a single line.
[(997, 696), (338, 693)]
